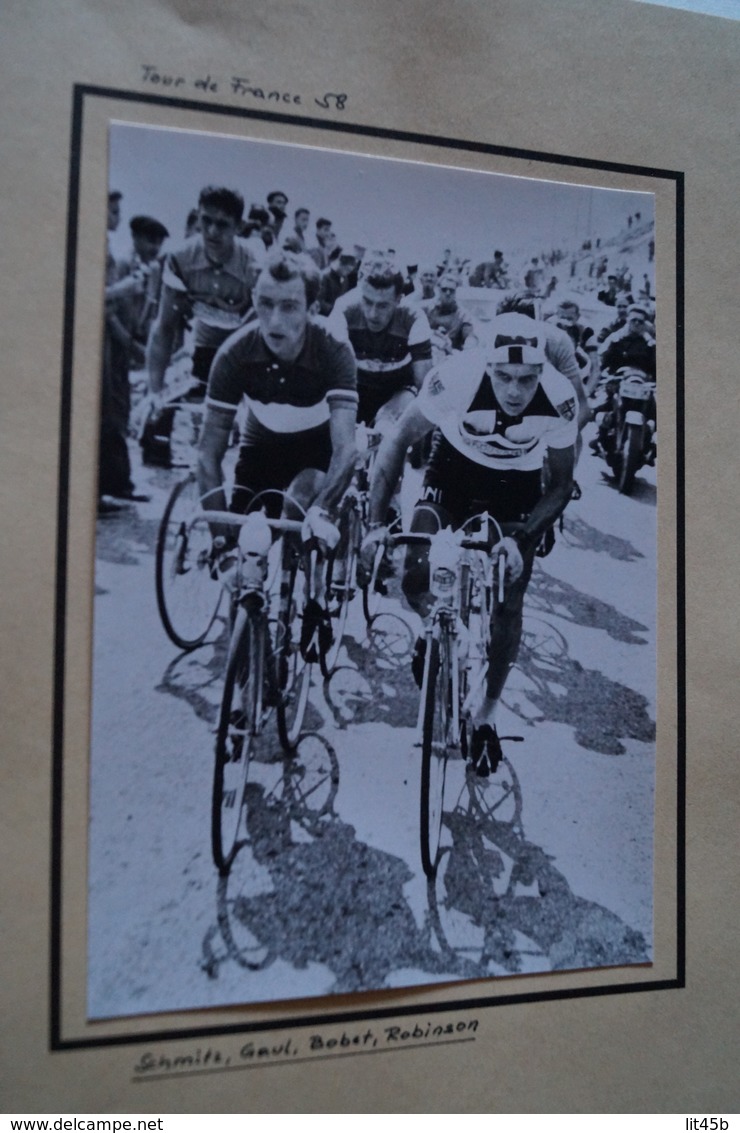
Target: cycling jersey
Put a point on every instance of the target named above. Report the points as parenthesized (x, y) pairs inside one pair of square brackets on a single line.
[(284, 397), (384, 358), (458, 398), (220, 294)]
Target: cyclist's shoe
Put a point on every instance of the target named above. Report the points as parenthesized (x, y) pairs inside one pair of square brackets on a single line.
[(417, 660), (576, 492), (485, 750), (316, 631)]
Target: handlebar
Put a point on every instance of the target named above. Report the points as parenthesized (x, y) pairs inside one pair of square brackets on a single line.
[(410, 538), (238, 519)]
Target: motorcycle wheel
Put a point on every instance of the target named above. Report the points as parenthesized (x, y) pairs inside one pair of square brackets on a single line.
[(631, 453)]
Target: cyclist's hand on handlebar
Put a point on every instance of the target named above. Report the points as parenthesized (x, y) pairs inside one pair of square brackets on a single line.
[(222, 558), (514, 562), (318, 528)]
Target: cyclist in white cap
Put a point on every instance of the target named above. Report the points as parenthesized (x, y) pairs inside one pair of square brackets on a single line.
[(498, 413)]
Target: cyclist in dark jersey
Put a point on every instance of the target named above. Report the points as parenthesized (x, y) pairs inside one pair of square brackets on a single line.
[(498, 413), (391, 342), (301, 390)]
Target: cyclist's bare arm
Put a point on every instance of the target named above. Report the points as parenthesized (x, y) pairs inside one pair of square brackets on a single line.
[(410, 427), (563, 357), (342, 421), (421, 369), (214, 442), (161, 338), (561, 462)]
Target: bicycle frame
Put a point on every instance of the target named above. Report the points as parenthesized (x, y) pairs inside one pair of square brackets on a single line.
[(461, 578), (462, 574)]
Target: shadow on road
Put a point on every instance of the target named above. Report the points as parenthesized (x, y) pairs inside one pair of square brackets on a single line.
[(197, 677), (498, 905), (553, 596), (304, 891), (126, 538), (546, 683), (583, 537), (375, 684)]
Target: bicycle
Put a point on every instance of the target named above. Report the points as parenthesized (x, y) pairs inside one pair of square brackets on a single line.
[(263, 679), (342, 579), (188, 593), (457, 636)]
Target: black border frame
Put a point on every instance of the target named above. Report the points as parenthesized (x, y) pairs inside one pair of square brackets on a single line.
[(56, 1041)]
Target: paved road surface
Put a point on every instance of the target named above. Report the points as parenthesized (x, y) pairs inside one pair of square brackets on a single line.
[(546, 867)]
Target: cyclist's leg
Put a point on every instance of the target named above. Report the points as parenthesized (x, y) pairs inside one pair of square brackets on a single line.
[(272, 463), (429, 516), (513, 496), (385, 418), (388, 413), (506, 633), (248, 476)]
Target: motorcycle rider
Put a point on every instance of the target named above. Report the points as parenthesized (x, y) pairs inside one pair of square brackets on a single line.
[(631, 346)]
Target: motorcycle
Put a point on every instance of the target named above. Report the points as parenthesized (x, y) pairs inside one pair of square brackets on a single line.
[(627, 436)]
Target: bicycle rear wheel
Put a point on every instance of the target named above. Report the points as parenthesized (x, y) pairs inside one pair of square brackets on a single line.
[(437, 739), (246, 708), (293, 671), (187, 596)]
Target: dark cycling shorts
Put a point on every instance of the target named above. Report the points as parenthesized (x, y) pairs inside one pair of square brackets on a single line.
[(201, 366), (454, 491), (269, 460), (464, 488), (373, 397)]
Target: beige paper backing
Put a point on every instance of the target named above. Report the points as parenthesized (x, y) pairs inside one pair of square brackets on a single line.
[(617, 82)]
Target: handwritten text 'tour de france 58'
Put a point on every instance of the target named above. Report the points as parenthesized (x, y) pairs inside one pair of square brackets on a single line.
[(153, 76)]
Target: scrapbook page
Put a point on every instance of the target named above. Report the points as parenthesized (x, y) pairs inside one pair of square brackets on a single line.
[(387, 752)]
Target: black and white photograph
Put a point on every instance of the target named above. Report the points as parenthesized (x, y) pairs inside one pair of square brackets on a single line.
[(375, 616)]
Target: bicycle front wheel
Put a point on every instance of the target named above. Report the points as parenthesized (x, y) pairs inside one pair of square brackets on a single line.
[(293, 671), (633, 443), (437, 739), (243, 719), (187, 596)]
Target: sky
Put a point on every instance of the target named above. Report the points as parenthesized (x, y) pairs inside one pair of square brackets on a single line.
[(416, 208)]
